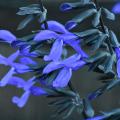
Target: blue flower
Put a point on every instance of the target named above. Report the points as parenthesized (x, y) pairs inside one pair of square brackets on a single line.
[(29, 88), (61, 36), (7, 36), (116, 8), (74, 62), (6, 78), (117, 50), (96, 118)]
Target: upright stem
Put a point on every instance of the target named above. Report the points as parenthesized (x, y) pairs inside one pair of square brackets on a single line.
[(103, 28), (71, 86), (42, 9)]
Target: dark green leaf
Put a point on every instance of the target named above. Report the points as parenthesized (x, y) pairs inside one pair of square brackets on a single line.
[(88, 32), (108, 14), (114, 40), (88, 109), (43, 16), (108, 64), (97, 56), (96, 19), (84, 15), (99, 41), (25, 22)]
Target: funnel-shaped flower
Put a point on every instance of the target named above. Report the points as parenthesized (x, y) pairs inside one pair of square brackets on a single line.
[(29, 88), (61, 36), (72, 63)]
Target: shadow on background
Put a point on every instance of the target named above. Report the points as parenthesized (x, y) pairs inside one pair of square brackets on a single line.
[(37, 108)]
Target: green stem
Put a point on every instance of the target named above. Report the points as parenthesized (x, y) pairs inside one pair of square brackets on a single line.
[(42, 9), (103, 28)]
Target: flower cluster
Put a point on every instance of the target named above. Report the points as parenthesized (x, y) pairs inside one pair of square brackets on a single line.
[(52, 69), (61, 38)]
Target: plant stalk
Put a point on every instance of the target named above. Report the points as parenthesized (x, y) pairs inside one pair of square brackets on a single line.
[(42, 9), (103, 28)]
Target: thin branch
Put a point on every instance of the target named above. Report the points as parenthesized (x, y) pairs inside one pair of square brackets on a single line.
[(103, 28), (42, 9)]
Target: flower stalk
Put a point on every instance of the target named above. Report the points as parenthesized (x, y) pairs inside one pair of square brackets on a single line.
[(103, 28), (42, 9)]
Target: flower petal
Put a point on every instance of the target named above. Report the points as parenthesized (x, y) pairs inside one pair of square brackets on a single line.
[(52, 66), (65, 7), (75, 45), (7, 36), (56, 27), (27, 61), (70, 60), (77, 65), (29, 83), (70, 25), (17, 81), (45, 35), (25, 51), (7, 77), (96, 118), (37, 91), (116, 8), (13, 56), (117, 51), (20, 68), (22, 100), (118, 68), (63, 78), (56, 51), (3, 60)]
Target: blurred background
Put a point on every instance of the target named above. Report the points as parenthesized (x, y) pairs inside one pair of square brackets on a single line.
[(84, 82)]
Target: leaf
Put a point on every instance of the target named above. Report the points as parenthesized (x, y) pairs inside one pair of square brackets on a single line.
[(25, 22), (79, 18), (43, 16), (96, 19), (70, 6), (113, 83), (113, 38), (31, 9), (88, 32), (87, 41), (69, 112), (51, 77), (59, 102), (108, 14), (28, 37), (107, 65), (97, 56), (99, 41), (88, 109)]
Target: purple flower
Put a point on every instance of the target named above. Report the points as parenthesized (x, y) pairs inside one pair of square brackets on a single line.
[(70, 25), (117, 50), (8, 61), (25, 51), (27, 61), (6, 78), (96, 118), (7, 36), (61, 36), (72, 63), (17, 82), (116, 8), (29, 88), (66, 7)]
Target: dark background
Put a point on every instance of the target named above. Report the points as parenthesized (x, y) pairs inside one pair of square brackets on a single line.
[(84, 82)]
